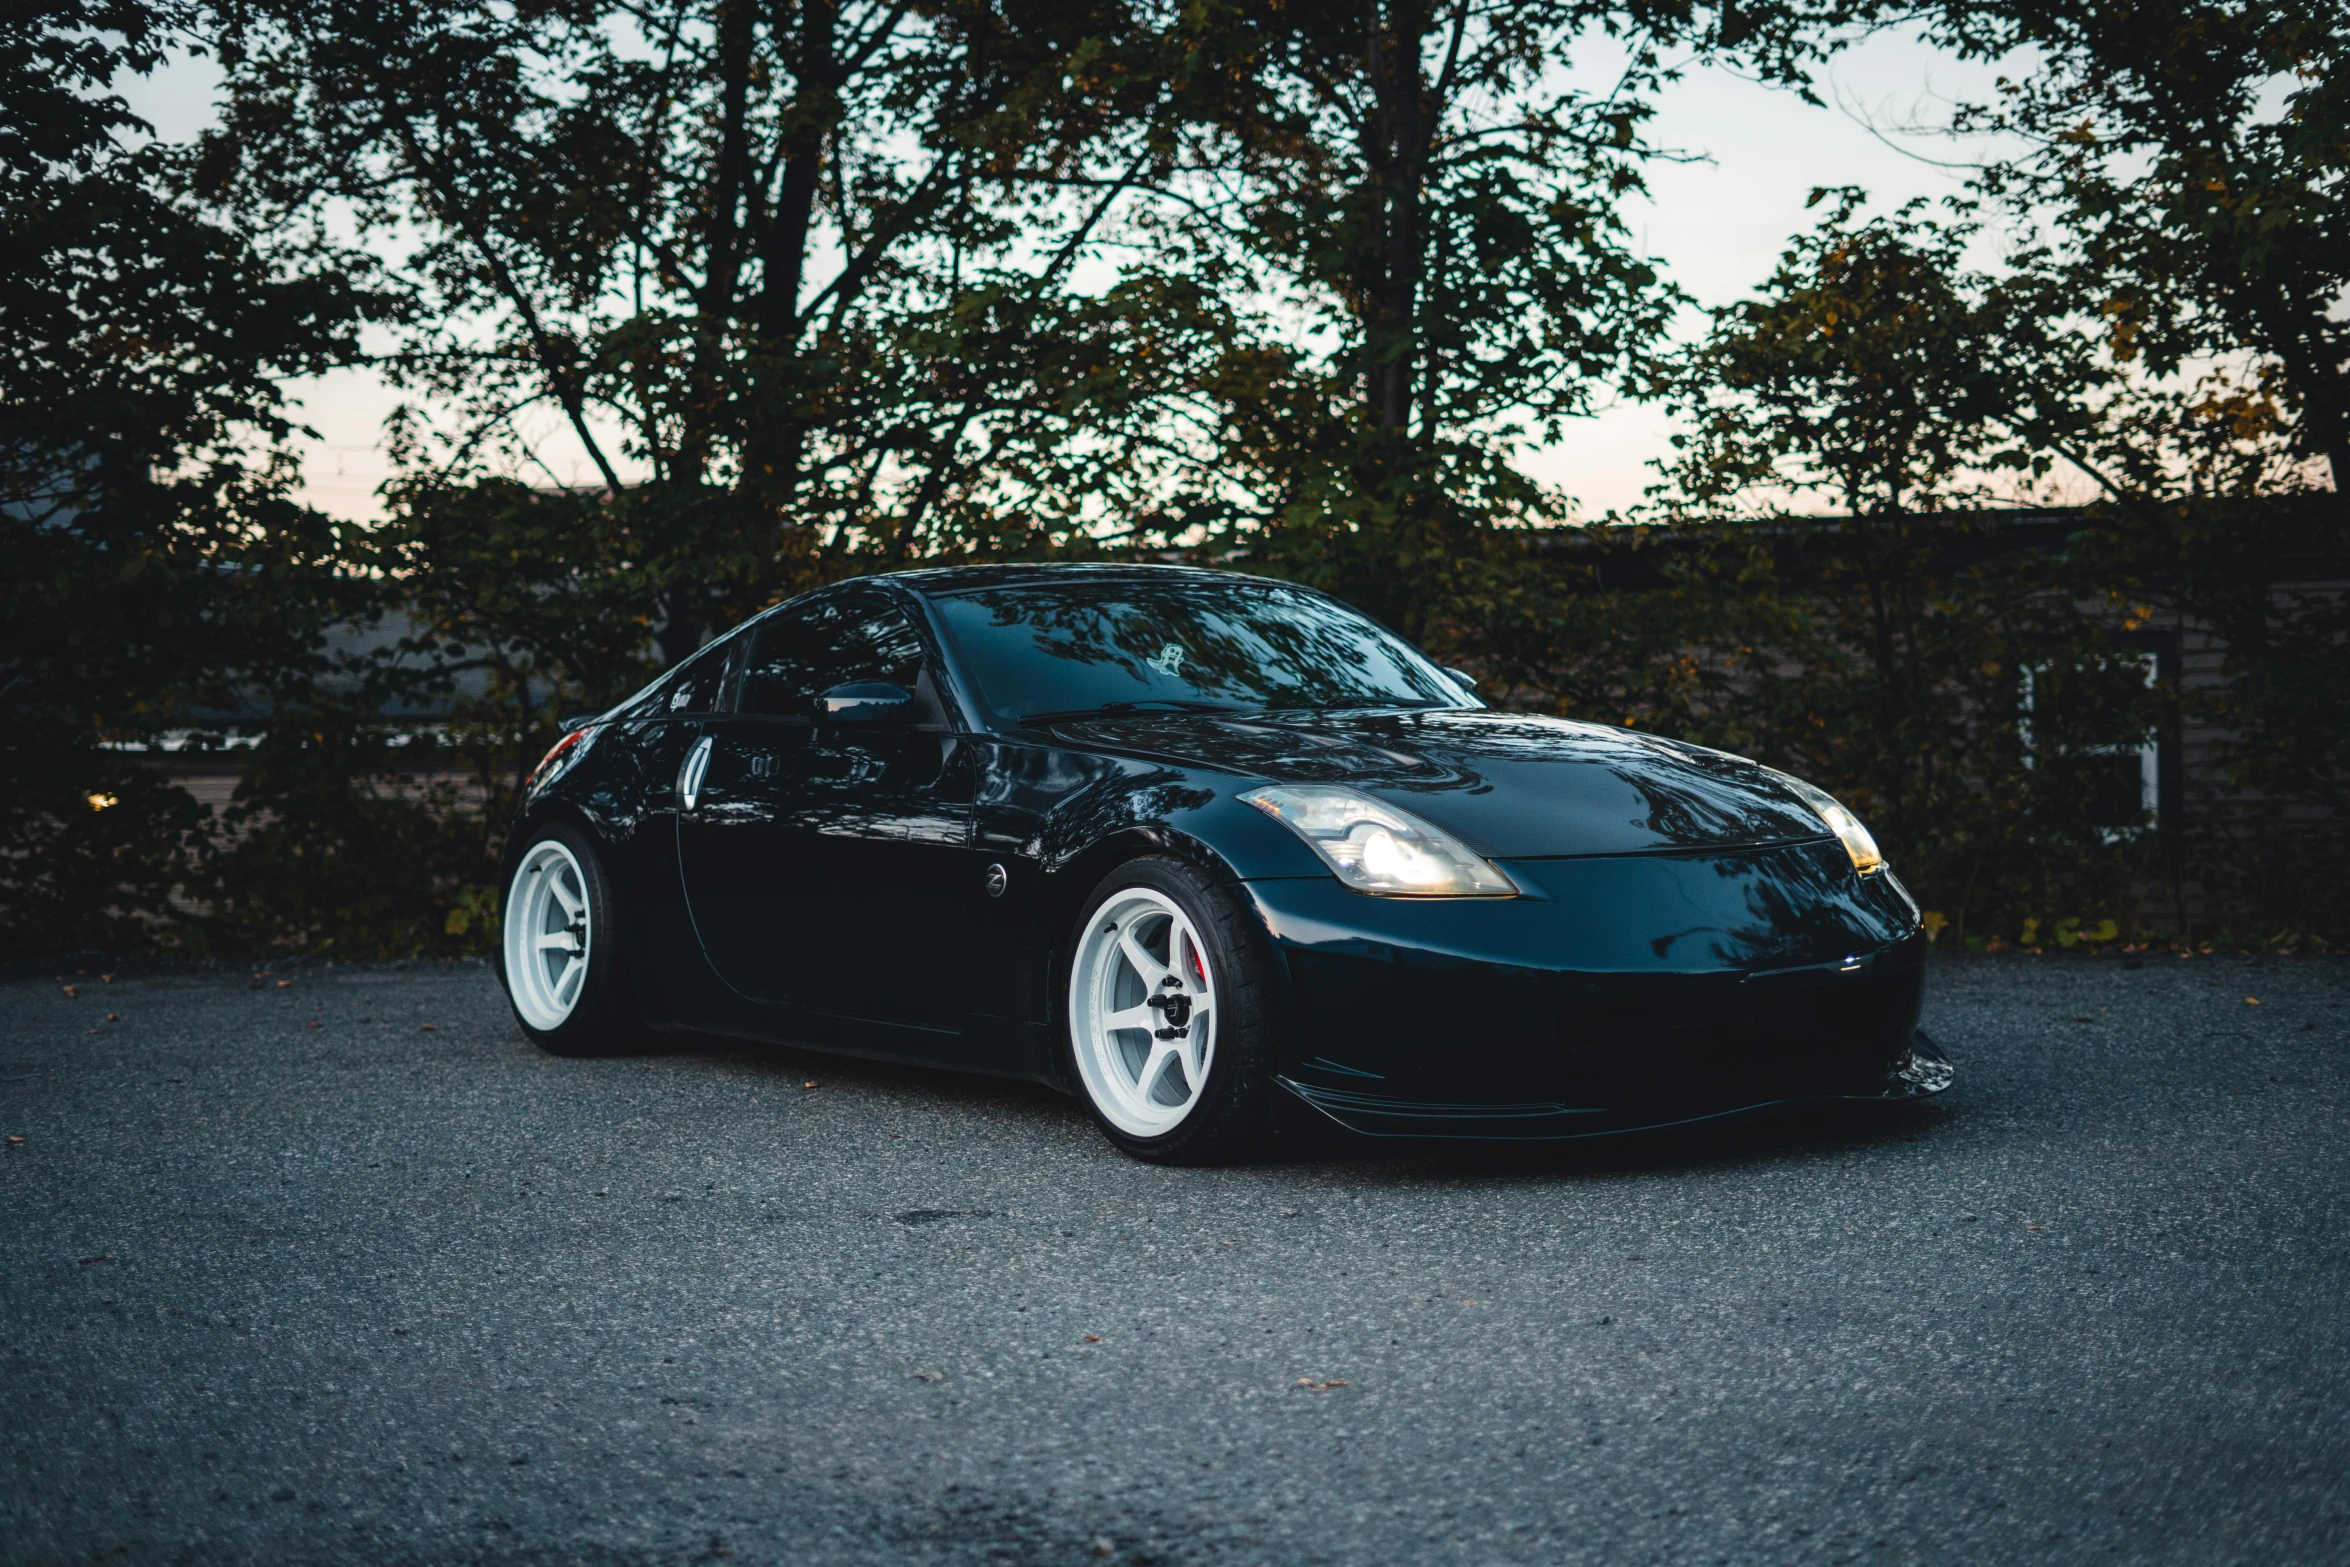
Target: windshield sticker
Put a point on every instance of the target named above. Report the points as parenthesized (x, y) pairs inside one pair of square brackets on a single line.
[(1168, 659)]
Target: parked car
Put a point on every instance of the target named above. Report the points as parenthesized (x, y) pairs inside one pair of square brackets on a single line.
[(1215, 853)]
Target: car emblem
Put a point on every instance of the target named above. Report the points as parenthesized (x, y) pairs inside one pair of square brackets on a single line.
[(997, 880)]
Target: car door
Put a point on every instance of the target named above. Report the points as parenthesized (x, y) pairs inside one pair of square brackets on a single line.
[(662, 730), (828, 865)]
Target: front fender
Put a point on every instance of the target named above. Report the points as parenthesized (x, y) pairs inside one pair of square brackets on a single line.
[(1059, 821)]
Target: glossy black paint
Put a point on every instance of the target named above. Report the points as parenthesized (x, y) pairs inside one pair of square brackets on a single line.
[(897, 878)]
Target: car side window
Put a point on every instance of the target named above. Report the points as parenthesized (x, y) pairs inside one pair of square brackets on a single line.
[(696, 686), (800, 653)]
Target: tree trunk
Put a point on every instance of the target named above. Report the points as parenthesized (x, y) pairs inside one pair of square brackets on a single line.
[(1395, 149), (737, 35), (772, 437)]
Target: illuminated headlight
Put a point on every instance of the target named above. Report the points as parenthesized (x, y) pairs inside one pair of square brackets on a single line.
[(1867, 858), (1373, 847)]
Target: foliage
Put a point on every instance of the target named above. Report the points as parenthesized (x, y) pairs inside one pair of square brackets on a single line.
[(337, 844), (2266, 839), (1882, 658), (1879, 374), (822, 288), (1883, 651), (153, 564), (799, 267), (1428, 214), (2196, 154)]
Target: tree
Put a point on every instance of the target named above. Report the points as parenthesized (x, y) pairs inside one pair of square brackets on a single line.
[(1428, 211), (2197, 154), (1883, 650), (153, 565), (792, 277), (1879, 373)]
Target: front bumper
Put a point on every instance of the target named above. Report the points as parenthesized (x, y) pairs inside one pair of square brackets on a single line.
[(1619, 993), (1921, 1072)]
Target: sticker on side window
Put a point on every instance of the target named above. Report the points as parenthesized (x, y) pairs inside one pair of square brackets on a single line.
[(1167, 660)]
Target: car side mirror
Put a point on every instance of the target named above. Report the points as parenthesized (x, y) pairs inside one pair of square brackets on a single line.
[(865, 702), (1461, 678)]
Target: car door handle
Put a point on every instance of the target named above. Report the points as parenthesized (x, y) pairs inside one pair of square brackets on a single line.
[(689, 777)]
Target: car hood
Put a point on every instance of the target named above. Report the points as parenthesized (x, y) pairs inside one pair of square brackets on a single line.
[(1510, 785)]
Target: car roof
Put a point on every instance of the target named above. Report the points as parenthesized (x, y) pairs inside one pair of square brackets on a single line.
[(936, 581)]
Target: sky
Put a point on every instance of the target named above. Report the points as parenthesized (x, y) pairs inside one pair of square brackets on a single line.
[(1717, 220), (1720, 220)]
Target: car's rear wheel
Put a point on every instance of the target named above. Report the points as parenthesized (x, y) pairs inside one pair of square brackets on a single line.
[(560, 950), (1167, 1006)]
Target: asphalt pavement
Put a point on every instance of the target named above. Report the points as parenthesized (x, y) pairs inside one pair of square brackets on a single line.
[(343, 1270)]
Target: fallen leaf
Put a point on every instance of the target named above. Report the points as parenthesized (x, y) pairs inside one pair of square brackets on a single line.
[(2251, 1001), (314, 1023), (1312, 1386), (1093, 1338), (810, 1083), (2084, 1020), (16, 1139), (113, 1017), (428, 1028), (929, 1376), (104, 1256), (284, 983), (108, 978), (71, 991)]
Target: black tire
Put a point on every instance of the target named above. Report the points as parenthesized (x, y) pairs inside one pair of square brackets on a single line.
[(603, 1019), (1232, 1117)]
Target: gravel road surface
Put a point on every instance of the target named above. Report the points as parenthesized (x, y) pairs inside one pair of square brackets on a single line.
[(343, 1270)]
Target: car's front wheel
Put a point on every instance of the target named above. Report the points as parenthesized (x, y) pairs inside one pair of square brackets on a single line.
[(1168, 1000), (560, 950)]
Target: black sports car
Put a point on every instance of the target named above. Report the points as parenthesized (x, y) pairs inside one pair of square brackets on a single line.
[(1215, 853)]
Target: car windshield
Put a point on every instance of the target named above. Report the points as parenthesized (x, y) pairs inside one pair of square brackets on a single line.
[(1074, 645)]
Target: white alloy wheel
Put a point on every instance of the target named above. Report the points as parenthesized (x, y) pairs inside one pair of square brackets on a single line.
[(1142, 1012), (550, 935)]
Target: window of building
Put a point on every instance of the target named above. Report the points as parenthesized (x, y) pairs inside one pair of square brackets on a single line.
[(2089, 731)]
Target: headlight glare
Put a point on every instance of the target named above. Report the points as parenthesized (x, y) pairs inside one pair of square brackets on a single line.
[(1374, 847), (1867, 858)]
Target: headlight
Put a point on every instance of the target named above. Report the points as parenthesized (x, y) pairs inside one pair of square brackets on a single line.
[(1866, 857), (1373, 847)]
